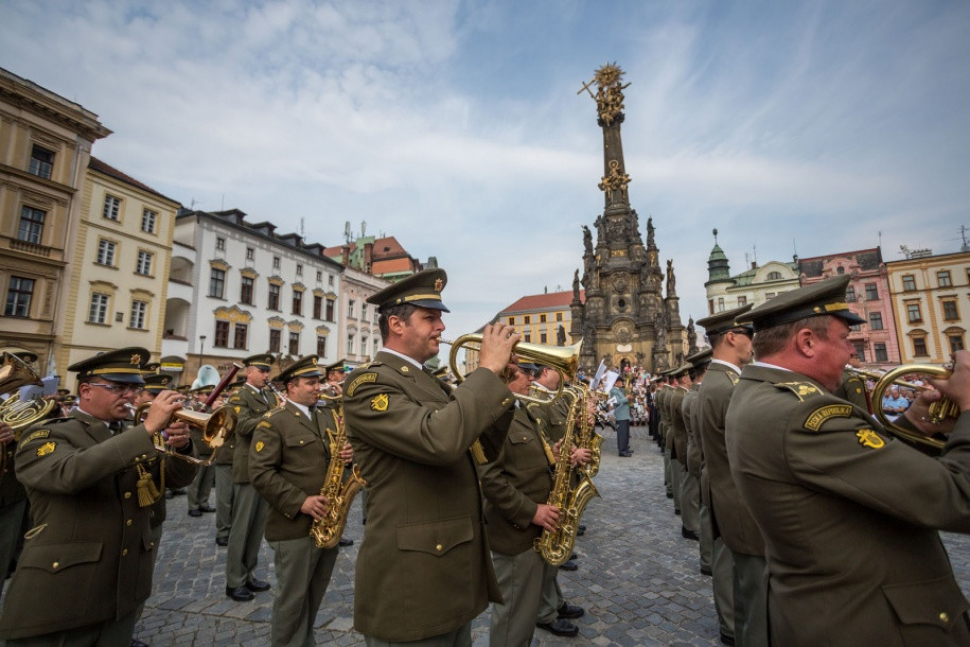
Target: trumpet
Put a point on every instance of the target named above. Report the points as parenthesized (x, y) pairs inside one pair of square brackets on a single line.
[(938, 412), (330, 392), (217, 428), (565, 360)]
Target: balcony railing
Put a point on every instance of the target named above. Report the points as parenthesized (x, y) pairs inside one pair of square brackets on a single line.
[(30, 248)]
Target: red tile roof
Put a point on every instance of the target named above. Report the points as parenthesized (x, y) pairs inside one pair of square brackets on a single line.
[(544, 301), (101, 167)]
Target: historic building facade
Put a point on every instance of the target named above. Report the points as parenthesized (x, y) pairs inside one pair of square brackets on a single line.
[(118, 267), (868, 297), (360, 337), (755, 285), (45, 143), (625, 318), (237, 288), (541, 318), (930, 295)]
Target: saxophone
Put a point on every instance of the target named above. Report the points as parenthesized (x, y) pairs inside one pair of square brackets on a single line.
[(557, 546), (327, 530), (588, 438)]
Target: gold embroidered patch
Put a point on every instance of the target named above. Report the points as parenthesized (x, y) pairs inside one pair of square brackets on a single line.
[(361, 379), (869, 438), (820, 415), (263, 424), (40, 433), (259, 445), (237, 410), (380, 402), (800, 389), (438, 284), (46, 448)]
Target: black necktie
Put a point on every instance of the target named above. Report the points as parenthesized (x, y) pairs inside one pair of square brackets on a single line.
[(115, 427)]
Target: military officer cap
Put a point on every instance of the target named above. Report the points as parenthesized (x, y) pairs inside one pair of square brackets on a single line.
[(157, 382), (823, 298), (122, 365), (303, 367), (151, 367), (721, 322), (63, 392), (680, 370), (701, 358), (422, 289), (261, 361), (24, 355), (336, 366), (205, 389)]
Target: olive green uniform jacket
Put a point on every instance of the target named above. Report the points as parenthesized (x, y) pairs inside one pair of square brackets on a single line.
[(852, 389), (249, 408), (424, 566), (695, 459), (850, 517), (677, 428), (90, 555), (730, 517), (514, 485), (288, 462)]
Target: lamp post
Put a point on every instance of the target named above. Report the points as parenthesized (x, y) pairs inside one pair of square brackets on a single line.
[(201, 349)]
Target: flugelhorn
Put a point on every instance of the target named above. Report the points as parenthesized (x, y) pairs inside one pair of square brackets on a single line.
[(564, 359), (938, 411), (217, 428)]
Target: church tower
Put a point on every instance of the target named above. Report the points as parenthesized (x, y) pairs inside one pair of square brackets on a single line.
[(625, 319)]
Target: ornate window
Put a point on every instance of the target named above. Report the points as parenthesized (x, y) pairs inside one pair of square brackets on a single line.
[(41, 162), (275, 337), (217, 283), (246, 290), (98, 310), (31, 225), (19, 294), (149, 219), (913, 313), (139, 311), (875, 320), (943, 279), (872, 292), (112, 207), (144, 264), (909, 283), (106, 252)]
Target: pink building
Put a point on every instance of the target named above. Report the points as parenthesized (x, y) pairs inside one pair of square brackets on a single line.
[(868, 296)]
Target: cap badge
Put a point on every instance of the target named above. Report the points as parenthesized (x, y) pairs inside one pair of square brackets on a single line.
[(135, 359), (438, 284)]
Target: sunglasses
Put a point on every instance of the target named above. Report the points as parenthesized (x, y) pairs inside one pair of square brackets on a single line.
[(123, 389)]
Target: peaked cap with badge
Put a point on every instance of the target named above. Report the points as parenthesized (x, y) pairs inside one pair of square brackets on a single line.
[(260, 360), (157, 382), (422, 289), (823, 298), (24, 355), (339, 365), (720, 322), (125, 365), (303, 367), (701, 358)]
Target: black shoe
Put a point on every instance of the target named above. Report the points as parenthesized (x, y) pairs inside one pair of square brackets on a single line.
[(222, 541), (569, 565), (257, 586), (677, 512), (726, 639), (345, 542), (570, 611), (625, 454), (689, 534), (195, 512), (240, 594), (206, 508), (706, 571), (178, 491), (169, 494), (137, 643), (670, 495), (560, 628), (581, 531)]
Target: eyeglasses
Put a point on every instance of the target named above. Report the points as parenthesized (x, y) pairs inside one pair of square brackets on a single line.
[(122, 389)]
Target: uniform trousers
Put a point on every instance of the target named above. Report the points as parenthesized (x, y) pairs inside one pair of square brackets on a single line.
[(552, 598), (11, 522), (224, 492), (690, 500), (668, 483), (248, 522), (110, 633), (302, 573), (676, 477), (723, 581), (460, 637), (750, 600), (157, 540), (520, 580), (623, 436), (201, 486), (707, 536)]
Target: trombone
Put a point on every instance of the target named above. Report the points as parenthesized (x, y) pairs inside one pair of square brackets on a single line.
[(565, 359)]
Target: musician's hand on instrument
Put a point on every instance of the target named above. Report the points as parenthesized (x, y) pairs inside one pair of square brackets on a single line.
[(580, 456), (177, 434), (6, 433), (347, 454), (315, 506), (161, 410), (498, 339), (957, 386), (546, 516)]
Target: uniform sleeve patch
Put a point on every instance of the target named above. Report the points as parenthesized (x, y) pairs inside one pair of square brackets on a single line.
[(40, 433), (380, 402), (259, 445), (263, 424), (869, 438), (46, 448), (820, 415), (361, 379), (237, 410), (800, 389)]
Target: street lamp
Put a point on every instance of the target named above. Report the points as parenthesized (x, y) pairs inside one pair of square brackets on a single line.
[(201, 349)]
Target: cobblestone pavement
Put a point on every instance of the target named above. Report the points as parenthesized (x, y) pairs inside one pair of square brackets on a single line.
[(638, 580)]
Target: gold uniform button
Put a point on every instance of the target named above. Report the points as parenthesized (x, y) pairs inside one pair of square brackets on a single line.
[(128, 523), (127, 495), (301, 442), (439, 548), (56, 564), (124, 552), (945, 617)]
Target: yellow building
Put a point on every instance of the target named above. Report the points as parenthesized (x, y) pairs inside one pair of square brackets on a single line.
[(119, 267), (930, 298), (45, 141)]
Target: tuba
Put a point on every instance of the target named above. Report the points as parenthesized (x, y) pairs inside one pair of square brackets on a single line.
[(938, 411), (19, 414), (326, 532)]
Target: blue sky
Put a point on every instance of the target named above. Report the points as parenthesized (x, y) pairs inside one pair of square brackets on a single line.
[(456, 126)]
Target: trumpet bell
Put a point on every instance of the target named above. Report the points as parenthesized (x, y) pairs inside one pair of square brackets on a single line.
[(14, 374), (938, 411), (216, 427)]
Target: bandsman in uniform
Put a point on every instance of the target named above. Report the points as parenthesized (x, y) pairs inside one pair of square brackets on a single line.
[(424, 571), (87, 562), (695, 458), (249, 510), (222, 465), (334, 386), (685, 489), (849, 514), (739, 577), (288, 464), (852, 387), (205, 479)]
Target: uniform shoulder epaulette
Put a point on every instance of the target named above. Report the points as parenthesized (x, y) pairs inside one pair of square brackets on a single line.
[(801, 390), (272, 412), (734, 377)]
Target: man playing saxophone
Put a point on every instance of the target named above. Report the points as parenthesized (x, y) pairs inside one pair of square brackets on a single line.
[(289, 461)]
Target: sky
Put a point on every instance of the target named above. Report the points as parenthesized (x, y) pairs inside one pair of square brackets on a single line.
[(457, 126)]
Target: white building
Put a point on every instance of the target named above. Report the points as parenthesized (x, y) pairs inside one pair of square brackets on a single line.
[(360, 336), (238, 288)]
